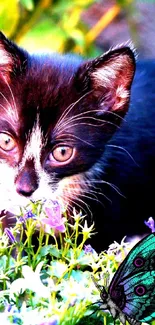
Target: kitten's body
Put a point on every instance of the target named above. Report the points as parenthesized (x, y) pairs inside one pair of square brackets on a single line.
[(58, 114), (129, 163)]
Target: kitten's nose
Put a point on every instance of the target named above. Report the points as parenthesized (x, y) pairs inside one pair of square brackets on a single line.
[(26, 183)]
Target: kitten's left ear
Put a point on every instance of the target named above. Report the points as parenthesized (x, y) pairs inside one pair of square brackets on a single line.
[(11, 58), (109, 78)]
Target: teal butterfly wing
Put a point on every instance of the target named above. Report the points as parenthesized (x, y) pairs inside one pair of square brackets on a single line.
[(140, 258), (139, 296), (133, 285)]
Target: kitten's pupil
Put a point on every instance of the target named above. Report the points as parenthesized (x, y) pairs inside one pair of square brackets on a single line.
[(6, 142)]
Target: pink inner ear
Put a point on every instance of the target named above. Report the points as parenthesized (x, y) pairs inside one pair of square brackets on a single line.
[(6, 63), (114, 78)]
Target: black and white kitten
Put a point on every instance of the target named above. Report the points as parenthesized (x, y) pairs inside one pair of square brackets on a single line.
[(60, 136)]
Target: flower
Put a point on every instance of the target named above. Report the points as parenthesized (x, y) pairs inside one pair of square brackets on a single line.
[(74, 291), (30, 281), (54, 217), (87, 231), (58, 268), (88, 249), (10, 235), (28, 215), (150, 224)]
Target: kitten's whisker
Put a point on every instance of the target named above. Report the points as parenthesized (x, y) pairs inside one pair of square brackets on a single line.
[(72, 118), (127, 152), (68, 124), (95, 181), (9, 109), (92, 111), (69, 108), (74, 136), (69, 208), (5, 109), (77, 204), (94, 193), (5, 98), (113, 186), (13, 98)]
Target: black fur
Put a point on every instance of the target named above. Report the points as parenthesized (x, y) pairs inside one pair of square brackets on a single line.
[(117, 162)]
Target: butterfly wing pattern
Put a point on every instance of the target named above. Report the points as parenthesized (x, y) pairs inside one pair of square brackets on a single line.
[(131, 294)]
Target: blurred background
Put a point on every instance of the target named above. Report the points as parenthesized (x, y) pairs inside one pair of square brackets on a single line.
[(88, 27)]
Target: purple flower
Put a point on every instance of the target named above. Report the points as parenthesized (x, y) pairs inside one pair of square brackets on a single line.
[(88, 249), (27, 215), (10, 235), (150, 224), (54, 217)]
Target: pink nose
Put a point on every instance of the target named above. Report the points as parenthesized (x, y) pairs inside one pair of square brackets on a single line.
[(26, 182)]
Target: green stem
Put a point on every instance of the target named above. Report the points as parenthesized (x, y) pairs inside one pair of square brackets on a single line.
[(47, 239)]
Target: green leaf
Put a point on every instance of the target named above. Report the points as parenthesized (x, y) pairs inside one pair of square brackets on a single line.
[(50, 249)]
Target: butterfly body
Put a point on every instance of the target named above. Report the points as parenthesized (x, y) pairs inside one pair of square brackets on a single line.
[(131, 294), (108, 303)]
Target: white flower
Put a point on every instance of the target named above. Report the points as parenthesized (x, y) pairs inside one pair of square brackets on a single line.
[(75, 290), (58, 268), (30, 281)]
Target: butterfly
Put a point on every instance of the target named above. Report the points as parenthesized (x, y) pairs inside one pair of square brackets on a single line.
[(131, 293)]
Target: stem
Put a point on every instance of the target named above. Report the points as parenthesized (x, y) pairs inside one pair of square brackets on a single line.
[(47, 239), (61, 241), (102, 23), (41, 236)]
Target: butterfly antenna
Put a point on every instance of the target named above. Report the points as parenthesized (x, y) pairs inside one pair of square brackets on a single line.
[(96, 284)]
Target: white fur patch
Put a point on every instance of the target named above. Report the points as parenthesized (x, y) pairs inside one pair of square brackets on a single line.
[(116, 76), (9, 199), (109, 72), (33, 147), (5, 59), (46, 188)]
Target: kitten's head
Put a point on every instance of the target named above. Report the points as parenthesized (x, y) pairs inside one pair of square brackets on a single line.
[(56, 115)]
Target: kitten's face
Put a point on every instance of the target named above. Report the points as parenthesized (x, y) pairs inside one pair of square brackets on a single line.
[(56, 115)]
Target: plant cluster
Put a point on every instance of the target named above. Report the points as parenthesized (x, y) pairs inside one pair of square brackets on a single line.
[(46, 263)]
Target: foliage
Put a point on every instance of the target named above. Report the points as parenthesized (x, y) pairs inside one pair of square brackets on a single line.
[(52, 25), (55, 25), (49, 281)]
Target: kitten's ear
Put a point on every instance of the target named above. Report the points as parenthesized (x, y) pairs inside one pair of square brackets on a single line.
[(11, 58), (109, 78)]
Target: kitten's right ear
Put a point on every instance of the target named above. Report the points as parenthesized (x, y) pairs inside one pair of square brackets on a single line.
[(11, 58), (108, 78)]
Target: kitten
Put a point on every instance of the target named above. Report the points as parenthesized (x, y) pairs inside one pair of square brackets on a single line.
[(60, 136)]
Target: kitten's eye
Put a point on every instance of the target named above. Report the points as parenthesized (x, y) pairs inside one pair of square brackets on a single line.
[(7, 143), (62, 153)]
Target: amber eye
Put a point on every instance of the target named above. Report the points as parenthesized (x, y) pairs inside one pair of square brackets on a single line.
[(62, 153), (7, 143)]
